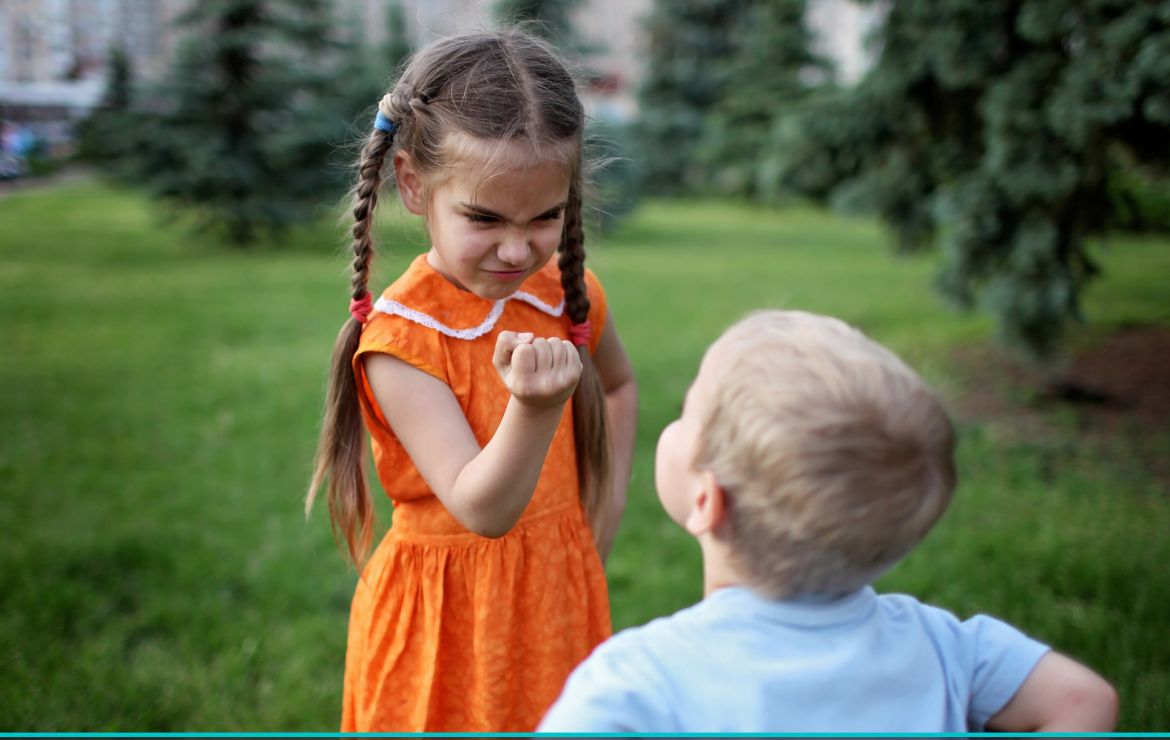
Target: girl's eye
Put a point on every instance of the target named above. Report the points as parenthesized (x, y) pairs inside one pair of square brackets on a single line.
[(551, 215), (479, 218)]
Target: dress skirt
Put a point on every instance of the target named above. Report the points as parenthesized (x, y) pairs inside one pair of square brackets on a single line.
[(454, 632)]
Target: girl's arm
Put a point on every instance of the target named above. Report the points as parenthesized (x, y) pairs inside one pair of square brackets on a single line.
[(487, 489), (621, 400), (1060, 695)]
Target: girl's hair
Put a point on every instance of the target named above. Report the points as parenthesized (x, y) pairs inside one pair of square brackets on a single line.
[(493, 88)]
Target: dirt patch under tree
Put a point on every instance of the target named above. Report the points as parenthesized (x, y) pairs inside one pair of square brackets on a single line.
[(1115, 389)]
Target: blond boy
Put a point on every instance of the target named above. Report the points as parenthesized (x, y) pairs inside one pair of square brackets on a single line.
[(808, 461)]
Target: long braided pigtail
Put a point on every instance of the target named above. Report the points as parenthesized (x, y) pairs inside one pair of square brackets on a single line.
[(341, 451), (590, 420)]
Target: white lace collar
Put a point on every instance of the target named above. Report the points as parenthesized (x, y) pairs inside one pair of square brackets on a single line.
[(394, 308)]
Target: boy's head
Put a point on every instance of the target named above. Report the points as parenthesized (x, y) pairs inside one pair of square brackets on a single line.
[(832, 458)]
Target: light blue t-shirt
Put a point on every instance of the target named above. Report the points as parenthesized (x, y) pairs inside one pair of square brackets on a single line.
[(736, 662)]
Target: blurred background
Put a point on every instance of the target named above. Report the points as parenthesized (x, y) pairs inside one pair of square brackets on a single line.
[(979, 184)]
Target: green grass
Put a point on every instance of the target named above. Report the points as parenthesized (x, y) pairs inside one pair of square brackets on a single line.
[(160, 397)]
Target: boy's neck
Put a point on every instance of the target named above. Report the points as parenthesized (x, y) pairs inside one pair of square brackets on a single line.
[(718, 568)]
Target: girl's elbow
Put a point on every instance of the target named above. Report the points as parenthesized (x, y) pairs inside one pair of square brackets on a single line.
[(492, 531), (623, 389), (483, 515), (617, 508), (488, 524)]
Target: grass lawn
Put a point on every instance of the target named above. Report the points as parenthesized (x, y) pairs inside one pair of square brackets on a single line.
[(160, 399)]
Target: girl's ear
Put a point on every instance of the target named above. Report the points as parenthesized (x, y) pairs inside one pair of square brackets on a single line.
[(709, 508), (410, 185)]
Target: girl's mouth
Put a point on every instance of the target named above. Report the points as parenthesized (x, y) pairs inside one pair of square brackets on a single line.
[(506, 276)]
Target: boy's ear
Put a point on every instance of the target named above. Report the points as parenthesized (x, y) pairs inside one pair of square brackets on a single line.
[(410, 185), (709, 508)]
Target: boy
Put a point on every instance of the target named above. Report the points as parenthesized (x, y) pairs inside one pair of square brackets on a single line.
[(807, 462)]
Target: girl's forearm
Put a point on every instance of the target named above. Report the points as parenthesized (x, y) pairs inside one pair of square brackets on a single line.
[(622, 406), (493, 488)]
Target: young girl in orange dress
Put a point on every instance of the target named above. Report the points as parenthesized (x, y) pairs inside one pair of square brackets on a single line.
[(500, 402)]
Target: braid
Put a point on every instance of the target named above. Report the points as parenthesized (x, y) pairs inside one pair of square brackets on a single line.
[(365, 200), (341, 454), (590, 420), (572, 260)]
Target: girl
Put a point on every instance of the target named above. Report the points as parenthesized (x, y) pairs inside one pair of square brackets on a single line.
[(488, 589)]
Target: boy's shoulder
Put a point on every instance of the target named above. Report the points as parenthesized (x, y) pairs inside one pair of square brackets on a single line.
[(736, 662), (737, 615), (630, 682), (661, 635), (656, 677)]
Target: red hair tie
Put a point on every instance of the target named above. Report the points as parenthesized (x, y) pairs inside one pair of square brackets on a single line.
[(360, 308), (579, 333)]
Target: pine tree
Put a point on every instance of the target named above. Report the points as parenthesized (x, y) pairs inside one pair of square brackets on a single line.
[(243, 129), (103, 135), (552, 19), (365, 73), (993, 128), (770, 71), (694, 47), (120, 81), (397, 46)]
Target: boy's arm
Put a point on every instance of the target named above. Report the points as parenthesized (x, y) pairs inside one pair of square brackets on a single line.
[(1059, 695)]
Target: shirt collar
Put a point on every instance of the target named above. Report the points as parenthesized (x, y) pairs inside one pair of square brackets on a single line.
[(801, 611)]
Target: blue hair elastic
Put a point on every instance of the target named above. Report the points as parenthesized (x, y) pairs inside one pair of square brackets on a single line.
[(383, 123)]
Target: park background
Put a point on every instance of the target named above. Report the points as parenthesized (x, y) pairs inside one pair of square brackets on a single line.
[(981, 186)]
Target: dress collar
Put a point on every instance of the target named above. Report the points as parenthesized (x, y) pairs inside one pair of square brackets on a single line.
[(425, 297)]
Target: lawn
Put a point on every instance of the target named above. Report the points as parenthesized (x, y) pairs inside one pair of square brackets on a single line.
[(160, 398)]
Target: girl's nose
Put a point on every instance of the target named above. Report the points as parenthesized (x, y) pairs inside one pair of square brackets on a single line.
[(513, 249)]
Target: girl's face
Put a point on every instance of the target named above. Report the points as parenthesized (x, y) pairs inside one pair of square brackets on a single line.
[(488, 236)]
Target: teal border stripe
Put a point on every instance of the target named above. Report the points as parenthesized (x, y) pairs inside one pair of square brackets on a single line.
[(563, 734)]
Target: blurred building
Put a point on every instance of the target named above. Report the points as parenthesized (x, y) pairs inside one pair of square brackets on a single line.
[(54, 53), (612, 40), (842, 29)]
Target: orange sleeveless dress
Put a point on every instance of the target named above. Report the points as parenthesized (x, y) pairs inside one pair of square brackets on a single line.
[(450, 631)]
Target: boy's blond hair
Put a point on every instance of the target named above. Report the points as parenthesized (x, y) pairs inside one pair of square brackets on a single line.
[(835, 457)]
